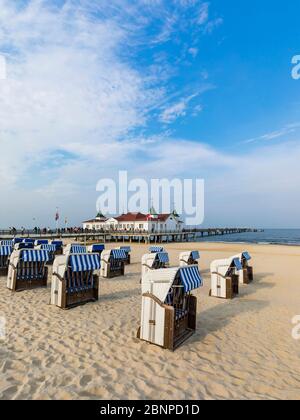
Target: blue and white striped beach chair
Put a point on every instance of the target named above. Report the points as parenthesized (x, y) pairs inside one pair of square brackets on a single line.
[(154, 261), (75, 280), (155, 249), (75, 249), (168, 308), (113, 263), (51, 249), (96, 249), (5, 253), (17, 241), (189, 258), (27, 269), (23, 245), (245, 274), (29, 241), (59, 247), (224, 278), (127, 249), (41, 242), (7, 242)]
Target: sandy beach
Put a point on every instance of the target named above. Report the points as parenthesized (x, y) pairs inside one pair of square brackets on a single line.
[(243, 349)]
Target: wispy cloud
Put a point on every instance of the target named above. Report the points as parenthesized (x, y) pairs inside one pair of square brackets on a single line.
[(273, 135), (193, 51), (80, 91), (203, 13), (171, 112), (213, 24)]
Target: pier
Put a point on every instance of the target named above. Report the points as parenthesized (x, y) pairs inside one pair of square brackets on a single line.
[(128, 236)]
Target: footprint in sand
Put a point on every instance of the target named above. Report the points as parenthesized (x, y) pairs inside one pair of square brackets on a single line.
[(85, 380)]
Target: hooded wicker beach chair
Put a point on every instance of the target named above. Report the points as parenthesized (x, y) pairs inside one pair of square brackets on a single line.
[(75, 280), (96, 249), (246, 272), (59, 247), (127, 249), (224, 280), (5, 253), (29, 241), (113, 263), (75, 249), (189, 258), (41, 242), (155, 249), (27, 269), (17, 241), (23, 245), (7, 242), (51, 249), (154, 261), (169, 310)]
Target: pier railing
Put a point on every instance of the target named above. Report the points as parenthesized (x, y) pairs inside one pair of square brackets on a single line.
[(107, 234)]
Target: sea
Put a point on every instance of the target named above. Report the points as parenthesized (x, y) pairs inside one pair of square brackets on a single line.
[(268, 236)]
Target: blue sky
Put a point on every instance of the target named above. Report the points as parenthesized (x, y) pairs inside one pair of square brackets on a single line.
[(160, 88)]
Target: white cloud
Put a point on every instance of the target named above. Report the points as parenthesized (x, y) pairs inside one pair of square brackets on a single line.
[(213, 24), (71, 82), (173, 112), (273, 135), (203, 14), (193, 51), (67, 86)]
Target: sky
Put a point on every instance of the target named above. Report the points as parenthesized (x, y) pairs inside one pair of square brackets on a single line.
[(159, 88)]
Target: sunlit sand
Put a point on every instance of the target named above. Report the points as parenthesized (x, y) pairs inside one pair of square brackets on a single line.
[(242, 348)]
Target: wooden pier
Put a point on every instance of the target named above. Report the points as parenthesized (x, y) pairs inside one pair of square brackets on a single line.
[(130, 236)]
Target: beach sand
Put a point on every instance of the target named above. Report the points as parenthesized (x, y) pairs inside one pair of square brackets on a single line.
[(243, 349)]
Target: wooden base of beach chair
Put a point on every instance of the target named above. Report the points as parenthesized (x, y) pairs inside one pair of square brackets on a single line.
[(232, 288), (248, 275), (176, 330), (3, 271), (21, 285), (116, 273), (128, 261), (80, 298)]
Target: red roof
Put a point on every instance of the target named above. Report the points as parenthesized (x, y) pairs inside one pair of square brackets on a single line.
[(102, 220), (132, 217), (163, 217), (140, 217)]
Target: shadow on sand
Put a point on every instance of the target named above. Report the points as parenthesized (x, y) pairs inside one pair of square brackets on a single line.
[(215, 319), (125, 294), (258, 284)]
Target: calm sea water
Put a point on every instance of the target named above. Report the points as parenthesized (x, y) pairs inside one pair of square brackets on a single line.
[(269, 236)]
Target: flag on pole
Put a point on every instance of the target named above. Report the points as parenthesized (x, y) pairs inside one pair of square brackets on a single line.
[(57, 215)]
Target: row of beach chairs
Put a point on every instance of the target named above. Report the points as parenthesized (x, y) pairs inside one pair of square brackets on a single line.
[(169, 309)]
